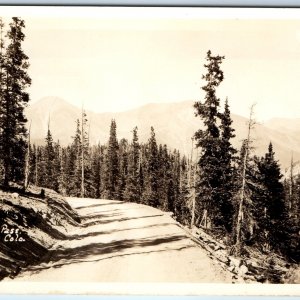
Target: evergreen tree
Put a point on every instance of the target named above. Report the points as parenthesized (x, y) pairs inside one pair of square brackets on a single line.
[(39, 176), (209, 141), (123, 169), (172, 175), (296, 202), (227, 158), (150, 193), (182, 210), (292, 194), (132, 191), (291, 247), (50, 179), (112, 164), (63, 176), (57, 167), (96, 167), (141, 171), (164, 176), (14, 98), (74, 166), (273, 220)]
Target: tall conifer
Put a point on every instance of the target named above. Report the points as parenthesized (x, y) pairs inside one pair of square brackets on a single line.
[(274, 217), (150, 194), (14, 98), (228, 172), (112, 164), (132, 191), (209, 141)]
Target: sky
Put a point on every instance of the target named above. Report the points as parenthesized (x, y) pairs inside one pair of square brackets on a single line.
[(116, 59)]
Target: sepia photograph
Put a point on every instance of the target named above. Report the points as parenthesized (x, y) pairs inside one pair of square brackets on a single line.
[(149, 150)]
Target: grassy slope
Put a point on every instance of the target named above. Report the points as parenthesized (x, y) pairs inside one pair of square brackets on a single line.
[(40, 221)]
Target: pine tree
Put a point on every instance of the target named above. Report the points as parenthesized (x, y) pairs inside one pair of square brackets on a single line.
[(141, 171), (292, 193), (150, 193), (13, 101), (274, 217), (132, 191), (123, 167), (291, 248), (173, 176), (164, 176), (50, 179), (96, 167), (209, 141), (73, 164), (182, 211), (39, 176), (227, 158), (63, 176), (112, 164), (57, 166), (296, 199)]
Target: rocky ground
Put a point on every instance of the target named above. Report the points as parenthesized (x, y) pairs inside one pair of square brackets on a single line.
[(46, 238), (31, 224)]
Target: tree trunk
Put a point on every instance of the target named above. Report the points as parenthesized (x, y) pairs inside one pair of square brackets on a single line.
[(192, 186), (82, 156), (27, 163), (36, 166), (242, 192)]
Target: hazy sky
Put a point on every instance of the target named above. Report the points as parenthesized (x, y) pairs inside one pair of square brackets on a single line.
[(118, 59)]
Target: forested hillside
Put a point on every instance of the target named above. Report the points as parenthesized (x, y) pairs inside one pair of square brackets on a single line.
[(174, 124)]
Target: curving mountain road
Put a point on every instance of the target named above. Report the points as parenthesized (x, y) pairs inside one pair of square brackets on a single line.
[(126, 242)]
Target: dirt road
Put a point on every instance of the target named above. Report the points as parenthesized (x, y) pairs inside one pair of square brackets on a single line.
[(126, 242)]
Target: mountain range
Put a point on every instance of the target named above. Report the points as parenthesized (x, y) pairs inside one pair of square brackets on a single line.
[(174, 124)]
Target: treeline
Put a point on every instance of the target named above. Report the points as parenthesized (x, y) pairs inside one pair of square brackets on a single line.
[(154, 175), (145, 173)]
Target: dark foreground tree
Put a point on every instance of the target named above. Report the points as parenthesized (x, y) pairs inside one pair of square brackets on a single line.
[(274, 217), (112, 164), (212, 159), (132, 191), (150, 194), (228, 171), (14, 98), (280, 230)]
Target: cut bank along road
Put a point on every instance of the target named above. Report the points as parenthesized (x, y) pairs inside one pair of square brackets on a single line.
[(126, 242)]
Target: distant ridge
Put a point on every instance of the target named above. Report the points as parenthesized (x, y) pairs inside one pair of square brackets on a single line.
[(174, 124)]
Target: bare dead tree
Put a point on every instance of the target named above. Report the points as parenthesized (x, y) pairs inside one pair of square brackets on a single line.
[(36, 165), (27, 161), (192, 185), (82, 154), (251, 124)]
